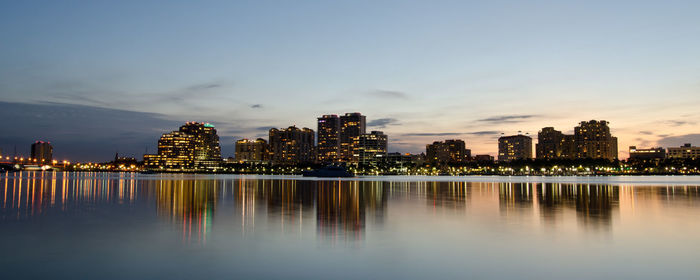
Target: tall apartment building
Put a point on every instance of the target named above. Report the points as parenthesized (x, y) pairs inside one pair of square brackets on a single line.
[(452, 151), (593, 140), (252, 150), (352, 125), (328, 147), (193, 146), (292, 145), (42, 152), (370, 149), (686, 151), (514, 147)]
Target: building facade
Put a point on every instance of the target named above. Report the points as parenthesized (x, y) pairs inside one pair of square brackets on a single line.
[(452, 151), (514, 147), (195, 146), (550, 144), (370, 149), (352, 125), (42, 152), (292, 145), (593, 140), (646, 154), (686, 151), (328, 148), (252, 150)]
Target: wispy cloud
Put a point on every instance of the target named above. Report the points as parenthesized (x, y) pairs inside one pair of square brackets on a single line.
[(507, 118), (382, 123), (434, 134), (679, 122), (256, 106), (676, 141), (485, 132), (646, 132), (389, 94)]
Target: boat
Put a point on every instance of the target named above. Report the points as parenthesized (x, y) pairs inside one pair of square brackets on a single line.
[(330, 171)]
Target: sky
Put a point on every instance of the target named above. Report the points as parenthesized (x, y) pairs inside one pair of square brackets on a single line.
[(100, 77)]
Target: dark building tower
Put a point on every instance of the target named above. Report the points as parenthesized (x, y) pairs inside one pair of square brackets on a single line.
[(549, 143), (351, 125), (514, 147), (593, 140), (42, 152), (370, 149), (175, 151), (207, 152), (194, 146), (328, 138), (292, 145), (451, 151), (252, 151)]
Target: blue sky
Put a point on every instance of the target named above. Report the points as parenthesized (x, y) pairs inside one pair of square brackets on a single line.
[(420, 70)]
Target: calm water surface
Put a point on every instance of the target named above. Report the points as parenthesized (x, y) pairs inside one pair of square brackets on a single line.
[(116, 226)]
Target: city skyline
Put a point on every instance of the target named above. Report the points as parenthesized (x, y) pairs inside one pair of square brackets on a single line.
[(95, 79)]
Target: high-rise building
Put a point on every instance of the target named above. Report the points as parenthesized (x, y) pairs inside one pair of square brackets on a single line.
[(42, 152), (370, 148), (328, 147), (252, 151), (686, 151), (452, 151), (514, 147), (646, 154), (292, 145), (194, 146), (175, 151), (207, 152), (351, 125), (549, 143), (593, 140)]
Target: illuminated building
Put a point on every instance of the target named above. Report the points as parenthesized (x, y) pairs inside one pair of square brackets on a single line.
[(175, 151), (549, 144), (328, 146), (646, 154), (398, 158), (42, 152), (514, 147), (369, 149), (593, 140), (195, 146), (351, 125), (207, 152), (252, 151), (451, 151), (292, 145), (686, 151)]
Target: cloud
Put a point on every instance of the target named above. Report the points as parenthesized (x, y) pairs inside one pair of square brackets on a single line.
[(507, 118), (382, 123), (389, 94), (485, 132), (82, 133), (679, 140), (679, 122), (264, 128), (256, 106), (646, 132), (434, 134)]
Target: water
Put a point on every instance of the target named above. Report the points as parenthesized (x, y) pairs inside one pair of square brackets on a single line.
[(117, 226)]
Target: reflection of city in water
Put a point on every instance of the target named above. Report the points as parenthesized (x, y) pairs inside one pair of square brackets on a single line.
[(338, 210)]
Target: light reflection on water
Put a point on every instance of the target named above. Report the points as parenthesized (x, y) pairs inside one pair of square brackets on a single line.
[(227, 217)]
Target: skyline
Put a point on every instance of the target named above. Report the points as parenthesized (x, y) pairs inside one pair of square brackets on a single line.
[(96, 78)]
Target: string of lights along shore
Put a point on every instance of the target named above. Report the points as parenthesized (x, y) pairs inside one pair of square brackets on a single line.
[(344, 139)]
